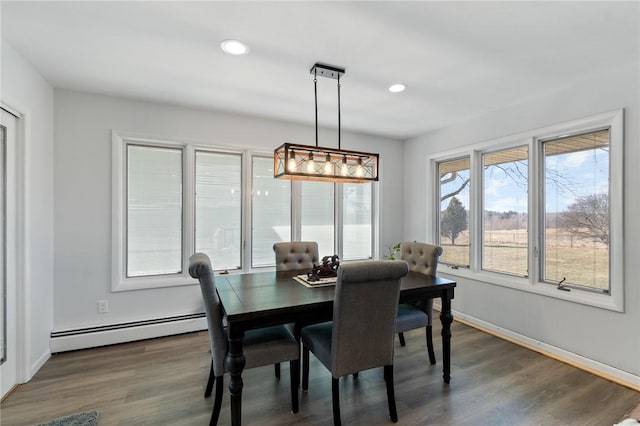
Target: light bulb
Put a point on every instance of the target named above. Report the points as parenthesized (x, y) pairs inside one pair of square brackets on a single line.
[(359, 168), (328, 167), (311, 165), (292, 161), (344, 169)]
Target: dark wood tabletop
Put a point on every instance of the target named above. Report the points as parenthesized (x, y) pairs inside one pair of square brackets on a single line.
[(275, 296), (261, 299)]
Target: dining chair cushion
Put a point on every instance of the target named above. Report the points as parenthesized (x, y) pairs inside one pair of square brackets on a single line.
[(295, 255), (410, 317), (270, 345), (317, 338)]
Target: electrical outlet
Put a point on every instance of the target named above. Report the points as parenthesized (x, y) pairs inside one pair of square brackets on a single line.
[(103, 306)]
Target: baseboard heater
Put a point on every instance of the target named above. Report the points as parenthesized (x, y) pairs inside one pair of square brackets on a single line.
[(89, 337)]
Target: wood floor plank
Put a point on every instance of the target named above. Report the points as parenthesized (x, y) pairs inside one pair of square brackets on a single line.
[(161, 382)]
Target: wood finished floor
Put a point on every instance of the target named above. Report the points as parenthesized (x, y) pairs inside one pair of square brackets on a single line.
[(161, 382)]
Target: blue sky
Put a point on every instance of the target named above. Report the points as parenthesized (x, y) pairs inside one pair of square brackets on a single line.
[(578, 174)]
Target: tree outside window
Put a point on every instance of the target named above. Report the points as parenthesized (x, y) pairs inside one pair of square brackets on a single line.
[(454, 220)]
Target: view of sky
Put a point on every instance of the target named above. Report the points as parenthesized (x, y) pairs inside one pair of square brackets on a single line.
[(569, 176)]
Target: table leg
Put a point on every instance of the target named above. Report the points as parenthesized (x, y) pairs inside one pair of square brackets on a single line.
[(235, 362), (446, 318)]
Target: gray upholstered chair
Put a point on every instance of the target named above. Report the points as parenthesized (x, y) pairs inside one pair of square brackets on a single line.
[(261, 347), (361, 334), (295, 255), (422, 258)]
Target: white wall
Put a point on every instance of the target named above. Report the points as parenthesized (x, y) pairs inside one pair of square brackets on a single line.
[(603, 336), (82, 189), (23, 89)]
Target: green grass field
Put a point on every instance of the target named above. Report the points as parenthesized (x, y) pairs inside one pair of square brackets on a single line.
[(581, 262)]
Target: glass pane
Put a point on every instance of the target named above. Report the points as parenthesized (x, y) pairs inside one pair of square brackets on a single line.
[(356, 238), (454, 178), (218, 208), (317, 216), (504, 223), (154, 210), (271, 212), (576, 247)]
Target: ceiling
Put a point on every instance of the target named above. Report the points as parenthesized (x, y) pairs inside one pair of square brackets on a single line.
[(458, 59)]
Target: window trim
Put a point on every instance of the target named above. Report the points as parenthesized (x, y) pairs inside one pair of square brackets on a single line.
[(120, 140), (248, 241), (339, 210), (614, 300), (119, 279), (481, 188), (470, 214)]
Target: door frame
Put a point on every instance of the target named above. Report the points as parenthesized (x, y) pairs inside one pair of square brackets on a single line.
[(22, 337)]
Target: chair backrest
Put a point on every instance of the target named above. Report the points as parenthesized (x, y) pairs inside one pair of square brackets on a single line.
[(200, 268), (364, 315), (294, 255), (421, 257)]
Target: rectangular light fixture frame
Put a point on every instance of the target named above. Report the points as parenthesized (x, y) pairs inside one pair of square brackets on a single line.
[(315, 163)]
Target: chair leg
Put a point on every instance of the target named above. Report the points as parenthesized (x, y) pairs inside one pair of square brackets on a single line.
[(355, 375), (391, 398), (335, 397), (217, 404), (212, 378), (277, 369), (294, 374), (432, 355), (305, 368), (401, 336)]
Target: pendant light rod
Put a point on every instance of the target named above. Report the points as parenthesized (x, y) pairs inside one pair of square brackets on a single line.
[(328, 71), (339, 132), (315, 94)]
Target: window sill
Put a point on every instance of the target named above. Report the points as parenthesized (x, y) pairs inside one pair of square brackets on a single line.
[(151, 282), (603, 301)]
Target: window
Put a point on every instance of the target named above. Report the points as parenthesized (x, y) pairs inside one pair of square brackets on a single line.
[(505, 209), (172, 199), (271, 217), (454, 177), (318, 215), (540, 211), (218, 208), (357, 214), (154, 211), (576, 210)]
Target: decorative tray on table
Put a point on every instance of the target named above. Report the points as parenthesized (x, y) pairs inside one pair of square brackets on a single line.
[(321, 275)]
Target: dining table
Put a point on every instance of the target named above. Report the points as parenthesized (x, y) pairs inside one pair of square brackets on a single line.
[(261, 299)]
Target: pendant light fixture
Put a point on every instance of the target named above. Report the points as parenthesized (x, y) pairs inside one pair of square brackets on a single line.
[(306, 162)]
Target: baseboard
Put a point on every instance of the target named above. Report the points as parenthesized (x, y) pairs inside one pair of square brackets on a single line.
[(38, 365), (70, 340), (599, 369)]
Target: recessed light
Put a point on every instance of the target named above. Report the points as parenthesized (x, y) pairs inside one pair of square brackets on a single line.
[(397, 88), (234, 47)]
